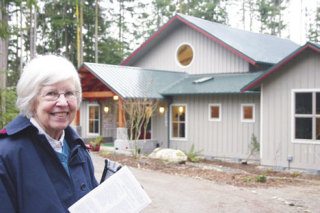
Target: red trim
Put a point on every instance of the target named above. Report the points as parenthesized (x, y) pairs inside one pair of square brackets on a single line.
[(281, 64), (211, 37), (143, 45), (3, 131), (219, 41)]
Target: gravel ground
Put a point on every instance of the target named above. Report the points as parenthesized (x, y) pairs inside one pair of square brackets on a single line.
[(219, 187)]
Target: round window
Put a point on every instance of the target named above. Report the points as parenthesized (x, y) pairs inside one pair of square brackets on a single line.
[(185, 54)]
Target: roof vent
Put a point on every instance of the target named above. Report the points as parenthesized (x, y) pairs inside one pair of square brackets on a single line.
[(201, 80)]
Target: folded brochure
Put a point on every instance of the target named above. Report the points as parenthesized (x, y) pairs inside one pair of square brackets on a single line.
[(119, 193)]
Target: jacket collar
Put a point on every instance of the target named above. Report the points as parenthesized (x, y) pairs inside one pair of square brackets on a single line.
[(21, 123), (18, 124)]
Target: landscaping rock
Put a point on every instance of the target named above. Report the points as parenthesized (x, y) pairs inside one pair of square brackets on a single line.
[(170, 155)]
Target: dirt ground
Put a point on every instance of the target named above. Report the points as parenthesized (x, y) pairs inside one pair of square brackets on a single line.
[(236, 174), (216, 186)]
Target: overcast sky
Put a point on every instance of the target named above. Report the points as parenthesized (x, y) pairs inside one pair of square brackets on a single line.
[(295, 18)]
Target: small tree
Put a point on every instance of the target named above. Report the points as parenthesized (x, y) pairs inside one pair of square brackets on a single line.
[(139, 113), (10, 111), (254, 146)]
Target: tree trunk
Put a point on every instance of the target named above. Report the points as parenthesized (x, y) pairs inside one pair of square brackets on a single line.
[(3, 56), (96, 33), (33, 26)]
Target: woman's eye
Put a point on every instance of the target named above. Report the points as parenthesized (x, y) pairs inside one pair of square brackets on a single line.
[(52, 93)]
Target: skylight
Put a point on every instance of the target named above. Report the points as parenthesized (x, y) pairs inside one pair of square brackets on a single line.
[(204, 79)]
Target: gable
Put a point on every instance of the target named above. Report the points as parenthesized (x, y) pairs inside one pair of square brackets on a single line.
[(251, 47), (208, 56), (296, 56)]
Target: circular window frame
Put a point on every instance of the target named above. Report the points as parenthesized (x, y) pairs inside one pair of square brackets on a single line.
[(176, 55)]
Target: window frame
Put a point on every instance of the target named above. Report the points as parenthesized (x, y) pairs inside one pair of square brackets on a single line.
[(244, 120), (209, 111), (313, 116), (88, 121), (185, 122), (176, 55)]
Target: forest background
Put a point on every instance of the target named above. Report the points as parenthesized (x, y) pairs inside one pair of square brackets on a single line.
[(107, 31)]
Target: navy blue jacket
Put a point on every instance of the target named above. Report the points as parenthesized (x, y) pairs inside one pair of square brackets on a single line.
[(32, 179)]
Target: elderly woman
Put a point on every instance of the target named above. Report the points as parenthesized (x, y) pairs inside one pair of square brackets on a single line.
[(44, 165)]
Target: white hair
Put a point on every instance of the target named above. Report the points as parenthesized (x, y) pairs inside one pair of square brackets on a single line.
[(42, 71)]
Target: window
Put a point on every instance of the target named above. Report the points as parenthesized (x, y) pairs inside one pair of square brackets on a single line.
[(185, 55), (306, 108), (94, 119), (247, 113), (178, 121), (214, 112)]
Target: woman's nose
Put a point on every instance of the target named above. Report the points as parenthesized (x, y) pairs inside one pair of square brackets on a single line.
[(62, 100)]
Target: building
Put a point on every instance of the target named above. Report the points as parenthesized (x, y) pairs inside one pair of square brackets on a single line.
[(217, 86)]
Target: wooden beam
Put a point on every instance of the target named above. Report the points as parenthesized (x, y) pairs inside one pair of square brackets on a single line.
[(120, 114), (98, 94)]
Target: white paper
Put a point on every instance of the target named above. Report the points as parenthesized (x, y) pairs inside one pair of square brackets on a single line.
[(119, 193)]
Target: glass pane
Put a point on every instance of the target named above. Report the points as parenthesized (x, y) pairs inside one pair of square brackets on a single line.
[(175, 130), (318, 103), (182, 117), (318, 128), (182, 130), (185, 55), (304, 103), (303, 128), (96, 126), (96, 109), (175, 114), (248, 112), (215, 112), (90, 126)]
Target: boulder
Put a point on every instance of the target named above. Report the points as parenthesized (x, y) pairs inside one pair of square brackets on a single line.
[(170, 155)]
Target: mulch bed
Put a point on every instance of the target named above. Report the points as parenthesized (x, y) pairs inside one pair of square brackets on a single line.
[(237, 174)]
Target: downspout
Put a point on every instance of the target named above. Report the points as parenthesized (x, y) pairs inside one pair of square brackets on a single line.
[(169, 101)]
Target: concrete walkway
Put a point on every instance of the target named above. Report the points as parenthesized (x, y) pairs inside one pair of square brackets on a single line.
[(170, 193)]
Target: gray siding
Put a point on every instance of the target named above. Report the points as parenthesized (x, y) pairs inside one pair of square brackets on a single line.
[(107, 120), (228, 138), (276, 97), (159, 126), (209, 57)]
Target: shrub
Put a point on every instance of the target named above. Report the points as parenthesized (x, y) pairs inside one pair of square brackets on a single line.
[(193, 155), (261, 179)]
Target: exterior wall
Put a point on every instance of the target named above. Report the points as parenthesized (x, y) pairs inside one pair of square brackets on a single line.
[(159, 126), (228, 138), (277, 144), (107, 120), (209, 57)]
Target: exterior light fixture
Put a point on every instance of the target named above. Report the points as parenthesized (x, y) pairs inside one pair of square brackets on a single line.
[(115, 98), (106, 109), (161, 109)]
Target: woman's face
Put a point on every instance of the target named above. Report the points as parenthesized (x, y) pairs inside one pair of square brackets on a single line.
[(55, 107)]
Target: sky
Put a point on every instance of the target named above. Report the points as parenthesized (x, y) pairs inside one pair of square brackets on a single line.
[(297, 19), (294, 18)]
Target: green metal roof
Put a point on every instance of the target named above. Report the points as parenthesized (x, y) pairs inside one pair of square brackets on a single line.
[(257, 46), (134, 82), (252, 47), (211, 84)]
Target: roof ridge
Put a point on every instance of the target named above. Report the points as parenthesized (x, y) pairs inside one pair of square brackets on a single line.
[(134, 67), (174, 83)]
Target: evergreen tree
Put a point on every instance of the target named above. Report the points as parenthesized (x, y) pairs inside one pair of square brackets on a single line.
[(270, 16), (314, 28), (209, 10)]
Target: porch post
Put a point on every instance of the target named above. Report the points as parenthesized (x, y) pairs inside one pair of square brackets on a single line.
[(121, 142), (120, 114)]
